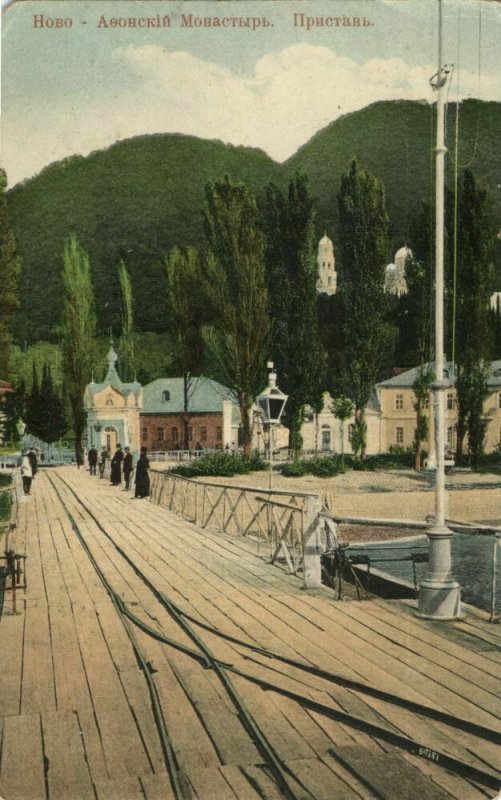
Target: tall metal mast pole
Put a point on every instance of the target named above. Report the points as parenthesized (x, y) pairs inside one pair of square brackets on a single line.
[(439, 593)]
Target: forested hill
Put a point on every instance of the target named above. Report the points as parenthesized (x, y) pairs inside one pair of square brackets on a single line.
[(141, 196)]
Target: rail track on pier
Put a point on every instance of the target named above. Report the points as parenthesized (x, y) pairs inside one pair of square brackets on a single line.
[(242, 674)]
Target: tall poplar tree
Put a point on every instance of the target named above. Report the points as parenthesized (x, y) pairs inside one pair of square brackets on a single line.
[(78, 331), (126, 347), (236, 294), (473, 330), (9, 268), (185, 310), (295, 344), (364, 223)]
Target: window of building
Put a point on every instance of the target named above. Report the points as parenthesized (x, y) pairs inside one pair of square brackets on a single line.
[(165, 396), (219, 434), (499, 400), (451, 438), (399, 435), (190, 433), (203, 434), (399, 402), (175, 434), (109, 401), (145, 434), (450, 401), (160, 434)]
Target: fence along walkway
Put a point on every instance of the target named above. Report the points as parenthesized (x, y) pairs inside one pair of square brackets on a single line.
[(288, 522)]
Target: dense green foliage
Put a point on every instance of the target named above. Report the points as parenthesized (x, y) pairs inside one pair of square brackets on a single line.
[(139, 198), (220, 464), (9, 268), (321, 467), (290, 255)]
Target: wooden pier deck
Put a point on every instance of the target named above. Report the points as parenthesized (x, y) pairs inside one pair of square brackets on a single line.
[(84, 690)]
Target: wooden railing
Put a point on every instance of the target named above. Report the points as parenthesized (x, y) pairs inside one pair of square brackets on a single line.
[(287, 521)]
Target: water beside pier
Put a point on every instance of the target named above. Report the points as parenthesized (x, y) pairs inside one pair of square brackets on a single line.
[(472, 557)]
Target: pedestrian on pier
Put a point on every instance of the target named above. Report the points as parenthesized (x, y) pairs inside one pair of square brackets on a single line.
[(102, 461), (92, 459), (142, 479), (128, 467), (33, 461), (116, 466), (26, 473)]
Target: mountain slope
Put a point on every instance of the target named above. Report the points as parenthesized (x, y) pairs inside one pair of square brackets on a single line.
[(141, 196)]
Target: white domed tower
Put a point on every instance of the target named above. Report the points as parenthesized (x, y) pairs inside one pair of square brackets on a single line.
[(394, 279), (326, 271)]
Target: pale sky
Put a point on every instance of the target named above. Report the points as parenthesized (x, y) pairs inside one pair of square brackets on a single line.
[(80, 88)]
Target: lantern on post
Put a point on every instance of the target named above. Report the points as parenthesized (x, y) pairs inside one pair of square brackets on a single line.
[(271, 403)]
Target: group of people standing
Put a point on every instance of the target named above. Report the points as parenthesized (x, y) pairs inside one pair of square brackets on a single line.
[(122, 462)]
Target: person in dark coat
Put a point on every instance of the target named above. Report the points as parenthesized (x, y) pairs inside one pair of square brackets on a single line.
[(142, 479), (33, 461), (102, 461), (127, 467), (92, 458), (116, 466)]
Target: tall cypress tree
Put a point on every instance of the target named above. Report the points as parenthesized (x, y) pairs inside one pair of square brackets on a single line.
[(473, 330), (33, 406), (9, 268), (53, 413), (235, 294), (78, 329), (369, 336), (126, 348), (291, 263)]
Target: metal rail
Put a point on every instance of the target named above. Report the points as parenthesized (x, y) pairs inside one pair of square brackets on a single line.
[(205, 656)]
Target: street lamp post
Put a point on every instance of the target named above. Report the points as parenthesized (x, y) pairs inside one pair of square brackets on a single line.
[(439, 593), (271, 403)]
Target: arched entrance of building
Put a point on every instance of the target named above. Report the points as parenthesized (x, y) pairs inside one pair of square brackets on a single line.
[(111, 439)]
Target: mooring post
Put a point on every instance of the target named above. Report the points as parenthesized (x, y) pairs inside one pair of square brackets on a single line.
[(312, 569)]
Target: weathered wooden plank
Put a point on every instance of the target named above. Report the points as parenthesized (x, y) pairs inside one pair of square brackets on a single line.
[(121, 741), (157, 787), (38, 688), (210, 783), (22, 765), (72, 690), (320, 781), (93, 745), (389, 776), (11, 662), (239, 783), (67, 769), (119, 789)]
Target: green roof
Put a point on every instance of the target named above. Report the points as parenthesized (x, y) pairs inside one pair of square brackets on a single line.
[(407, 378), (166, 396)]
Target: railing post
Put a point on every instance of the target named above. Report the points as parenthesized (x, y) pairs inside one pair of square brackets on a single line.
[(312, 545)]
